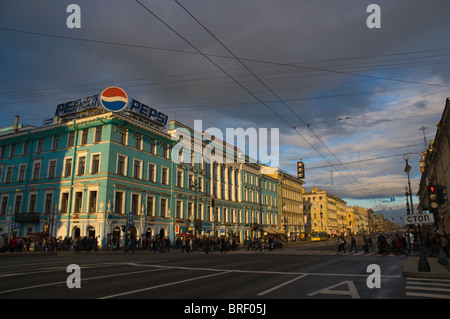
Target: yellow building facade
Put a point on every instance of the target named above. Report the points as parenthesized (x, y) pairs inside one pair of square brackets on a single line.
[(290, 199)]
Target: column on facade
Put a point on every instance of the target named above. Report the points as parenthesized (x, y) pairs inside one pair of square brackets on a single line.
[(219, 178)]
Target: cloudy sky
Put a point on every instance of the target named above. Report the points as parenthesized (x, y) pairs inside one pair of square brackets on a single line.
[(348, 100)]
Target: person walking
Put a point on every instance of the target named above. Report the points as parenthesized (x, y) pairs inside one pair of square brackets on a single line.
[(365, 245), (259, 245), (341, 244), (353, 244)]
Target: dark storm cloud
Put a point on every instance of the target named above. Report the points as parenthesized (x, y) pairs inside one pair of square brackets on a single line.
[(350, 92)]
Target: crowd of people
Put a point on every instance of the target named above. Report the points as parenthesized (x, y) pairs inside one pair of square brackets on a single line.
[(383, 244), (45, 244), (206, 244), (398, 244)]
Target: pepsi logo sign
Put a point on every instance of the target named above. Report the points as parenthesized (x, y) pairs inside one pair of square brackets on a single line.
[(114, 99)]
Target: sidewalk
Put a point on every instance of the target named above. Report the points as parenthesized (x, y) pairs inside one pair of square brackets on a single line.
[(437, 271)]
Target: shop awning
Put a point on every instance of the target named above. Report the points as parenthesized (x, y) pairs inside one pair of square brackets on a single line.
[(277, 231), (269, 230)]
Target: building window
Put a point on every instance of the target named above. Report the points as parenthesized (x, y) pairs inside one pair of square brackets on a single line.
[(71, 139), (12, 152), (139, 141), (152, 146), (81, 165), (179, 211), (26, 145), (17, 204), (4, 207), (92, 202), (67, 167), (135, 203), (165, 176), (163, 210), (152, 172), (40, 145), (98, 134), (48, 203), (189, 212), (36, 170), (32, 207), (137, 173), (64, 203), (52, 169), (84, 136), (55, 142), (78, 202), (95, 168), (121, 165), (180, 178), (118, 204), (123, 136), (9, 171)]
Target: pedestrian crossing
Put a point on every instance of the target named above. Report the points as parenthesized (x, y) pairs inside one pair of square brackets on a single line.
[(316, 252), (428, 288), (331, 253)]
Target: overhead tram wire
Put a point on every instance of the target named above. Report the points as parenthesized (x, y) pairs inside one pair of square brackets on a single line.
[(294, 65), (277, 96), (232, 78)]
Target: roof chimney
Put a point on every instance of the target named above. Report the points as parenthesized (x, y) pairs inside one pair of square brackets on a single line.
[(16, 124)]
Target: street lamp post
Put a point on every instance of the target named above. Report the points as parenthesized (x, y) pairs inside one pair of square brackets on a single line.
[(423, 261)]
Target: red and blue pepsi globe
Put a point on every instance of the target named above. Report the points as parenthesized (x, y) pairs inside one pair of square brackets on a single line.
[(114, 99)]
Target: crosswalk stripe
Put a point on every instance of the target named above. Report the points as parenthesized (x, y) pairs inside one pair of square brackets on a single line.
[(420, 287), (438, 296), (312, 252)]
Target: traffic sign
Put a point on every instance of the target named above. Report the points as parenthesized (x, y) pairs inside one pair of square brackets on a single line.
[(418, 219), (130, 218)]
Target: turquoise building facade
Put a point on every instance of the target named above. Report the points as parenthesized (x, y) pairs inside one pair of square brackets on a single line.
[(95, 173)]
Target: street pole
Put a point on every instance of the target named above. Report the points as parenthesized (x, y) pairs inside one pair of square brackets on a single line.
[(408, 211), (423, 261)]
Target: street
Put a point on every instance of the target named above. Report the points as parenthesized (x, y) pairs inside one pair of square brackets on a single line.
[(312, 270)]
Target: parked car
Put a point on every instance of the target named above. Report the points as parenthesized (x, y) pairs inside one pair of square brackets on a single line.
[(276, 243)]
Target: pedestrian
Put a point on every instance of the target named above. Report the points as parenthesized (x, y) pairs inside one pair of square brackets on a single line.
[(444, 244), (259, 245), (341, 244), (365, 245), (250, 243), (270, 243), (353, 244), (2, 244), (223, 245)]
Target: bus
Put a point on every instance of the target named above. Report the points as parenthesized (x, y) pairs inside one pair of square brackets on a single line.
[(319, 236)]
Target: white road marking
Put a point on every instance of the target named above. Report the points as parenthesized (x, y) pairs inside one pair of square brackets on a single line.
[(281, 285), (163, 285)]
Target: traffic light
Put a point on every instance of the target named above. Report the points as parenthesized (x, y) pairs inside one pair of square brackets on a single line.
[(433, 195), (300, 170), (441, 195)]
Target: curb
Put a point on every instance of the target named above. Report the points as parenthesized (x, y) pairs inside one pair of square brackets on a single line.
[(437, 271)]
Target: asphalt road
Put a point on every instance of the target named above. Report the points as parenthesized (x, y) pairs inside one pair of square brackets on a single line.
[(295, 272)]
